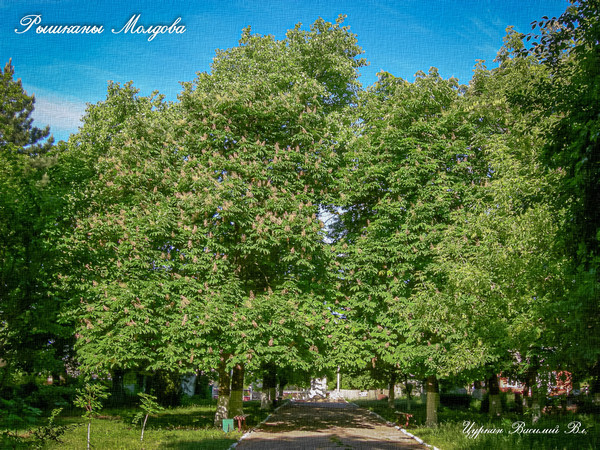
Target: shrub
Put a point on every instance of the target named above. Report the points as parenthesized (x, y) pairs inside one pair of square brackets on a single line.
[(16, 413), (89, 399), (196, 400), (455, 400), (485, 402), (51, 431), (586, 405), (166, 386), (50, 397), (149, 406)]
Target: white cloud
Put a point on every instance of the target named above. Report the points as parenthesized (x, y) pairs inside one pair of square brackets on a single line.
[(487, 28), (62, 113)]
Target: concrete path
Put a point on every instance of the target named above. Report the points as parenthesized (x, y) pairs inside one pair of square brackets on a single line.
[(327, 425)]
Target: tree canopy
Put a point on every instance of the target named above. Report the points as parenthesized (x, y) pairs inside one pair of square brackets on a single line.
[(30, 339), (462, 220), (199, 236)]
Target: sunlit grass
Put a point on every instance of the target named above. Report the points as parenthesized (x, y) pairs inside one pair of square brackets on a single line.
[(451, 433), (111, 434), (184, 427)]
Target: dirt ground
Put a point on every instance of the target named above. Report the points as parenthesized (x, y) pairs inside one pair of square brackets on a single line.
[(326, 425)]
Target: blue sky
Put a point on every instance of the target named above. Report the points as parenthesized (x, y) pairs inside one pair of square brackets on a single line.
[(66, 71)]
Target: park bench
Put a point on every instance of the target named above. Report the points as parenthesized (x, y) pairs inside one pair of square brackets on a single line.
[(241, 419), (401, 416)]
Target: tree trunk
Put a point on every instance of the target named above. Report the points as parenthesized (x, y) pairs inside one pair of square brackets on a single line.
[(143, 428), (224, 391), (118, 390), (392, 391), (267, 396), (433, 397), (533, 400), (236, 398), (89, 427), (4, 370), (563, 405), (408, 388), (495, 408), (477, 391), (536, 405), (595, 385), (282, 383), (518, 403)]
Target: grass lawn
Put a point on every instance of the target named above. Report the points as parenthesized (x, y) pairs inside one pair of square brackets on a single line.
[(502, 433), (186, 427)]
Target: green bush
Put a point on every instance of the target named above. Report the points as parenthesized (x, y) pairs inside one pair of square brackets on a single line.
[(455, 400), (200, 400), (166, 386), (50, 397), (586, 405), (485, 402), (15, 413), (51, 431)]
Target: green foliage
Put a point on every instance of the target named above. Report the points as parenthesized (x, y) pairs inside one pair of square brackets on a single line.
[(50, 397), (166, 386), (149, 406), (30, 338), (456, 400), (16, 123), (15, 413), (502, 252), (177, 237), (361, 379), (399, 185), (89, 398), (51, 431), (568, 46), (197, 234)]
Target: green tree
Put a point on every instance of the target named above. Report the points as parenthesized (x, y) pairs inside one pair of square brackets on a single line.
[(16, 123), (149, 406), (197, 242), (568, 46), (30, 339), (405, 175), (502, 250), (89, 398)]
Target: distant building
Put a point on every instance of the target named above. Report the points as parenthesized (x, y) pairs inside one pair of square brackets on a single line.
[(558, 382)]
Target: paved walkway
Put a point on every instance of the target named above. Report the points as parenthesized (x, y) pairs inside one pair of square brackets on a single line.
[(324, 426)]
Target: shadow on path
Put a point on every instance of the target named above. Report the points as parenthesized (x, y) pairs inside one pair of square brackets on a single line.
[(325, 425)]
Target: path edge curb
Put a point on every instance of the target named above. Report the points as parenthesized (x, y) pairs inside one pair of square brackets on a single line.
[(249, 432), (410, 435)]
